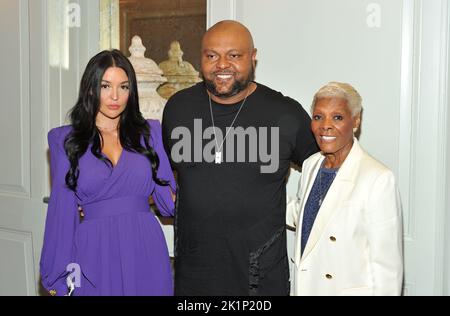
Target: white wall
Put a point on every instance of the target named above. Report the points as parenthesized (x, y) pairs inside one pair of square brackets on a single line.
[(394, 53)]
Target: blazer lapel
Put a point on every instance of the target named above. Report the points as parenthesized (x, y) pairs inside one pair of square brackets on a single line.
[(338, 193), (307, 183)]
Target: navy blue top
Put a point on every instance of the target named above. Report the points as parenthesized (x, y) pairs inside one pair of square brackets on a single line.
[(320, 188)]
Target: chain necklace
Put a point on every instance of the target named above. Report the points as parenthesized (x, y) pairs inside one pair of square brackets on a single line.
[(218, 152)]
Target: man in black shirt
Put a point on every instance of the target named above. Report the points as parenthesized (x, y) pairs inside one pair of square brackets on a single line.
[(231, 141)]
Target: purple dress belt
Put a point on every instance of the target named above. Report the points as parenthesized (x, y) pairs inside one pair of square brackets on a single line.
[(118, 206)]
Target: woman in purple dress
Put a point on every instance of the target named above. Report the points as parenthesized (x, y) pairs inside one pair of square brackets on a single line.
[(107, 162)]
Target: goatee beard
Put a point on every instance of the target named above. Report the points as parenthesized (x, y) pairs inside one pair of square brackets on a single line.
[(237, 87)]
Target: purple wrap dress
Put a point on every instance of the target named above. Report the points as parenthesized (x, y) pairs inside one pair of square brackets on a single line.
[(118, 246)]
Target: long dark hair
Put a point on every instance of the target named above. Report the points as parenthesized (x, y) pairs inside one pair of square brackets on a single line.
[(132, 126)]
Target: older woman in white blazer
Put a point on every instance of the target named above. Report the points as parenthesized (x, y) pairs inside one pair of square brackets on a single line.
[(347, 213)]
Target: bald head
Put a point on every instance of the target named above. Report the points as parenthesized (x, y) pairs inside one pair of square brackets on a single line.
[(229, 29), (228, 61)]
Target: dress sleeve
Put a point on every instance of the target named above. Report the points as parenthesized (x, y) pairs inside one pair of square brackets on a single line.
[(162, 194), (61, 222)]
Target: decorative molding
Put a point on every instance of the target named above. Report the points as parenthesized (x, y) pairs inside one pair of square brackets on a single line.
[(443, 149), (109, 24), (25, 105), (46, 91), (14, 191), (233, 10), (446, 291), (209, 14), (408, 106), (23, 187), (215, 8), (25, 241), (446, 277), (426, 85)]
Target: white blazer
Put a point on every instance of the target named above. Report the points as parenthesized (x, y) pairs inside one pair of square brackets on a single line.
[(355, 245)]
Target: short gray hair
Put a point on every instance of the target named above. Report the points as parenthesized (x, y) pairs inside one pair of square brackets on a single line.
[(340, 90)]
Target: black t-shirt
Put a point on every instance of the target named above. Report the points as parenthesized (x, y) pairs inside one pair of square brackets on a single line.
[(230, 221)]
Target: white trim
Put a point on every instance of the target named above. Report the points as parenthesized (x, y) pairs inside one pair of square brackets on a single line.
[(25, 102), (426, 249), (407, 105), (76, 33), (209, 9), (39, 74), (446, 290), (233, 10), (215, 11), (442, 146), (46, 92), (423, 144)]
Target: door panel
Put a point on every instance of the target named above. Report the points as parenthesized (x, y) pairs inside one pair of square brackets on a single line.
[(18, 233), (37, 90)]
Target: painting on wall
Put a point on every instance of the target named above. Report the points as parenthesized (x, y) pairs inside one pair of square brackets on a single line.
[(160, 22)]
